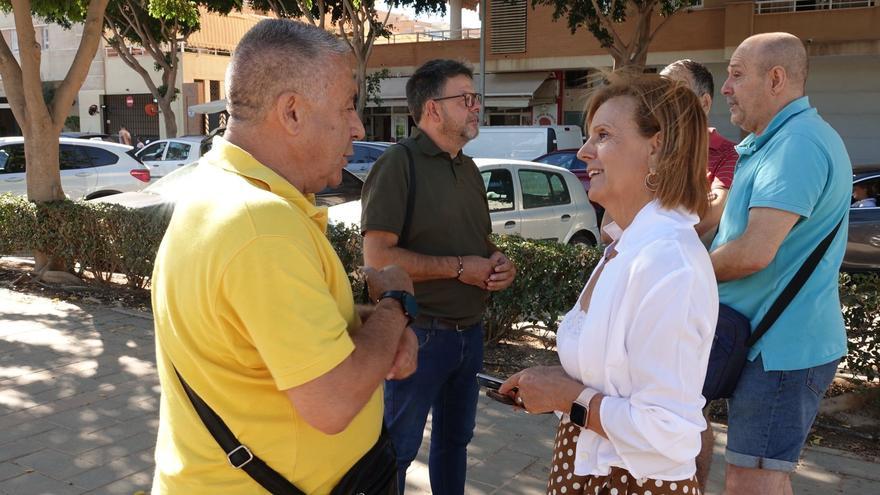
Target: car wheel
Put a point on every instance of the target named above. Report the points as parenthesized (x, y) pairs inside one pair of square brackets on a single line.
[(582, 239)]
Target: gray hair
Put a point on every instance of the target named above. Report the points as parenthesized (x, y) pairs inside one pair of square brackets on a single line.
[(275, 56)]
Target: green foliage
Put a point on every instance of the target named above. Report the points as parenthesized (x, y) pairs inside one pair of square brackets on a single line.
[(102, 239), (860, 298), (549, 278), (65, 13), (374, 85), (71, 123)]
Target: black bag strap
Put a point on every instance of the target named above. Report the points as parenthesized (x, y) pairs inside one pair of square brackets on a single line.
[(794, 286), (239, 456), (410, 196)]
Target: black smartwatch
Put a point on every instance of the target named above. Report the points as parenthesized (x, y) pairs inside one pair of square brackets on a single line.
[(407, 302), (579, 414)]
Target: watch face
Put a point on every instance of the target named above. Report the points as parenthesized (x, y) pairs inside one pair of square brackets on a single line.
[(578, 414), (410, 305)]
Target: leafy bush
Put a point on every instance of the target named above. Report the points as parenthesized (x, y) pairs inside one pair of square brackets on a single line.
[(860, 299), (101, 240), (95, 238)]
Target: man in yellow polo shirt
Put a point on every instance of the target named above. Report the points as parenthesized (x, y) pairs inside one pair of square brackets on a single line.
[(252, 306)]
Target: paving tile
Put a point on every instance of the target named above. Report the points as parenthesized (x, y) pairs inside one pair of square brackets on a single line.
[(27, 429), (68, 441), (57, 465), (127, 486), (10, 470), (83, 419), (113, 471), (37, 484), (18, 448)]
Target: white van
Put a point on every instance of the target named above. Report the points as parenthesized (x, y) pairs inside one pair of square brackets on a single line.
[(523, 142)]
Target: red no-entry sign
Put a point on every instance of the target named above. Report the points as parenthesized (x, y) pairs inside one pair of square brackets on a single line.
[(129, 101)]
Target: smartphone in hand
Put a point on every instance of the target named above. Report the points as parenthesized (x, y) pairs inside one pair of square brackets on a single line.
[(492, 384)]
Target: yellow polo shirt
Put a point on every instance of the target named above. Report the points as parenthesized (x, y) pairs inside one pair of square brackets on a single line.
[(249, 300)]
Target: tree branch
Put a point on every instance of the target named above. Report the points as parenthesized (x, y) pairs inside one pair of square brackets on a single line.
[(608, 24), (12, 82)]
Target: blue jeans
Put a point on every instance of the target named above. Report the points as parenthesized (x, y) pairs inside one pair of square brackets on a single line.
[(444, 384), (771, 413)]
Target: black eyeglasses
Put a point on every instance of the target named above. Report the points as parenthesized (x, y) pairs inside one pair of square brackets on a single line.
[(470, 99)]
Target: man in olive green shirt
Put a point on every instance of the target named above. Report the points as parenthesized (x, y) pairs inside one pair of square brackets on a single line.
[(442, 241)]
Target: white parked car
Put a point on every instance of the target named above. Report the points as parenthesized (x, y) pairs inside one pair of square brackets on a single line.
[(89, 168), (530, 199), (167, 155)]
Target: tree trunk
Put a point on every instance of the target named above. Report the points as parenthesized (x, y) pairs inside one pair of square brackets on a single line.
[(361, 79), (168, 118)]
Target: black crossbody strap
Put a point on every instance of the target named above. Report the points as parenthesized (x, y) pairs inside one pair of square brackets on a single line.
[(410, 197), (794, 286), (240, 457)]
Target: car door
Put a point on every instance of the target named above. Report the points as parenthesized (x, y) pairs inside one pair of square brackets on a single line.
[(544, 193), (152, 156), (12, 173), (177, 155), (78, 175), (863, 242), (501, 196)]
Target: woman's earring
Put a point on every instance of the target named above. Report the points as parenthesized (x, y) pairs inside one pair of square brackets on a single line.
[(652, 180)]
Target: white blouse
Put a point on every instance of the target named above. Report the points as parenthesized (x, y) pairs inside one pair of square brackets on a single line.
[(644, 343)]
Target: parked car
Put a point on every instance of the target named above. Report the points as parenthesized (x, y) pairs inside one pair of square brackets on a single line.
[(523, 142), (365, 155), (533, 200), (538, 201), (161, 195), (863, 243), (167, 155), (89, 168), (568, 160)]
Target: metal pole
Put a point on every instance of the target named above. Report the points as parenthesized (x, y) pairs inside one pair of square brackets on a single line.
[(482, 58)]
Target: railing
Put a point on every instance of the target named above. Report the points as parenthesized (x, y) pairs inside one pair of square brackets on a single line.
[(417, 37), (779, 6)]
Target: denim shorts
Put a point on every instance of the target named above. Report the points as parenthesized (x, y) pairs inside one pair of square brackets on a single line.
[(771, 413)]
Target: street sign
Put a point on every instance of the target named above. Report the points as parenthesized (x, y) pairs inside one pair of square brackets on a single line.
[(129, 101)]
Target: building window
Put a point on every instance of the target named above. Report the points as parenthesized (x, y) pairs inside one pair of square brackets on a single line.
[(46, 38)]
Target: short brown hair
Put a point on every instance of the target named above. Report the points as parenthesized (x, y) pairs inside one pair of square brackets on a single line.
[(673, 110)]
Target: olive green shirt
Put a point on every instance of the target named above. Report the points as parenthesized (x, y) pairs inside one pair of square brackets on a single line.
[(450, 217)]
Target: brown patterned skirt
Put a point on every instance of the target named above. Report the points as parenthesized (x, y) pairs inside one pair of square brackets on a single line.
[(563, 481)]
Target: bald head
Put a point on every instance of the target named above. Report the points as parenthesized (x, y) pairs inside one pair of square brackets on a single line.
[(784, 50)]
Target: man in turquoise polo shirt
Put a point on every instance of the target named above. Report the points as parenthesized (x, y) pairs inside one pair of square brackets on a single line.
[(793, 183)]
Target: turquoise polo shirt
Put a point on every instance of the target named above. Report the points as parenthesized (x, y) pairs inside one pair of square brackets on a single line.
[(799, 164)]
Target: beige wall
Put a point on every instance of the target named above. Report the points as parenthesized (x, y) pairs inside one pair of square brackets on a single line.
[(709, 34)]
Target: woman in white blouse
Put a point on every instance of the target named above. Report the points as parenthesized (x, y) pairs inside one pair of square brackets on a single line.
[(635, 346)]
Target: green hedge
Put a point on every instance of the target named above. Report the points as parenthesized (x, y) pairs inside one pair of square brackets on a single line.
[(104, 239)]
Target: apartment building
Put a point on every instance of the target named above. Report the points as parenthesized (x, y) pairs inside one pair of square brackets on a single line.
[(113, 94), (540, 73)]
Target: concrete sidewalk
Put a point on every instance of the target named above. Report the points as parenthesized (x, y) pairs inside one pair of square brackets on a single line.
[(79, 408)]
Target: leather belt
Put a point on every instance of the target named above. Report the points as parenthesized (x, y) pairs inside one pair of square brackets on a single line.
[(433, 322)]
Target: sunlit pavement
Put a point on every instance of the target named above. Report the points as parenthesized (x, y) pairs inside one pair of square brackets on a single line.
[(79, 408)]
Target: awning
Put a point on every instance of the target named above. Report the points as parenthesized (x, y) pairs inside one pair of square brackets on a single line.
[(215, 106), (510, 90)]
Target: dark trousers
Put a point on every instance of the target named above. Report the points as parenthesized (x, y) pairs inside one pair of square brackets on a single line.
[(444, 384)]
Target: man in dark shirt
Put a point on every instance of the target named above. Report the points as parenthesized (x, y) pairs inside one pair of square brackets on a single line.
[(424, 209)]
